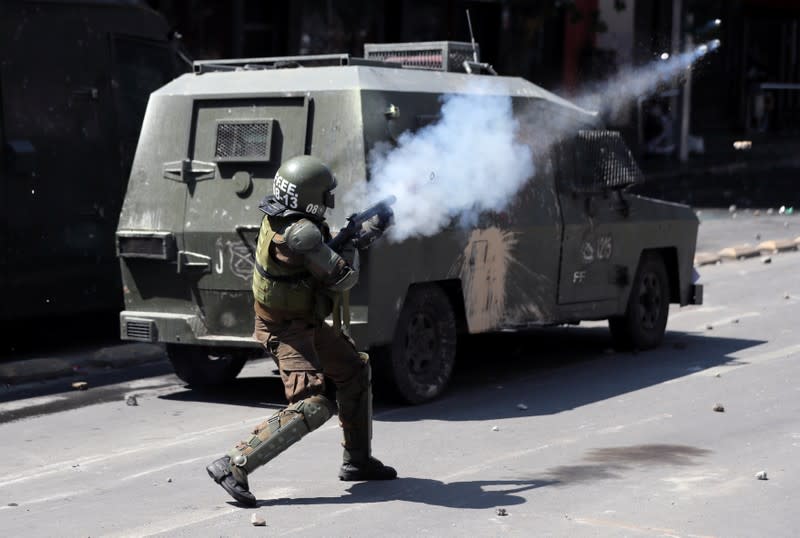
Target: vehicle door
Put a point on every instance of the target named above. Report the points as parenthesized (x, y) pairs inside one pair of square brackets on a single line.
[(594, 166), (236, 147)]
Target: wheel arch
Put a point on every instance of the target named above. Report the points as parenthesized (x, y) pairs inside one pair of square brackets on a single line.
[(669, 255), (455, 296)]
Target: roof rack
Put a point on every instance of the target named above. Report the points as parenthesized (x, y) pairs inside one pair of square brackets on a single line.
[(284, 62)]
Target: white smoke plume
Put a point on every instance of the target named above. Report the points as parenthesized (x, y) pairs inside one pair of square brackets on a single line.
[(466, 163), (634, 82), (474, 159)]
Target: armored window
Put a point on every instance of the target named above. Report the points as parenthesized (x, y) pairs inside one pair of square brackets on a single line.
[(244, 140), (604, 162)]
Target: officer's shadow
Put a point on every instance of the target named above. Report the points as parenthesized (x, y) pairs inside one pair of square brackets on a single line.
[(475, 494)]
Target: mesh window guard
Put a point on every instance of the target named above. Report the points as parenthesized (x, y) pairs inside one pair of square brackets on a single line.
[(243, 140), (604, 162)]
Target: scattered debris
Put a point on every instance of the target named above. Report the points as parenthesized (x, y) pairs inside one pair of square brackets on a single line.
[(131, 400), (786, 295), (709, 327), (522, 406), (718, 375), (757, 212), (719, 408), (495, 428), (12, 504), (782, 210), (258, 521), (758, 237), (762, 475), (80, 385), (169, 480), (732, 209), (735, 321), (767, 259), (502, 512)]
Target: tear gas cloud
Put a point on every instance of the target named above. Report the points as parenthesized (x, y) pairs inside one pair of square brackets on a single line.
[(466, 163), (477, 156)]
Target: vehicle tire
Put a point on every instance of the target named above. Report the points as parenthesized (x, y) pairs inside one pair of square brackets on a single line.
[(645, 319), (205, 366), (419, 363)]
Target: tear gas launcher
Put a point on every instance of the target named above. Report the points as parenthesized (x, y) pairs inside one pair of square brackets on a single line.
[(353, 230)]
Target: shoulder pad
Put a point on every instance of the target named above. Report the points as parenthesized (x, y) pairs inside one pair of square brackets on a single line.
[(303, 236)]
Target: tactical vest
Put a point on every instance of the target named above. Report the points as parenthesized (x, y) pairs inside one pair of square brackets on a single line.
[(288, 290)]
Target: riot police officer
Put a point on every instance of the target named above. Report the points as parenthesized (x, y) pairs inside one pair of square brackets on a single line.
[(296, 280)]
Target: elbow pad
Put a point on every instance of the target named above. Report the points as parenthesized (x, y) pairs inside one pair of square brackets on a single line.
[(304, 237), (347, 277)]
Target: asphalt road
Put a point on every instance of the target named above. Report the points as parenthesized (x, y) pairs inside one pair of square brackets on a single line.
[(569, 438)]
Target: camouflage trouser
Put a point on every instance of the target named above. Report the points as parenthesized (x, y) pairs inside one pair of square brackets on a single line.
[(305, 353)]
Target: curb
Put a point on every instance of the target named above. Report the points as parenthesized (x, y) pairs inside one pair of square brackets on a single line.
[(706, 258), (12, 373), (780, 245), (42, 369), (741, 252)]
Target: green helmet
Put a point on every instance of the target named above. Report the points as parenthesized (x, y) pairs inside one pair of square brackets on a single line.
[(303, 185)]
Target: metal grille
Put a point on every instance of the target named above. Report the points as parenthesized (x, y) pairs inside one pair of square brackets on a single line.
[(420, 59), (243, 140), (605, 162), (143, 330), (432, 55)]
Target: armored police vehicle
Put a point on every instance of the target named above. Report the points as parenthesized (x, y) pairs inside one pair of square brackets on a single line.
[(75, 76), (573, 244)]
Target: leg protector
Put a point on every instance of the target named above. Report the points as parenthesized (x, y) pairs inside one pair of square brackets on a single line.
[(355, 414), (278, 433)]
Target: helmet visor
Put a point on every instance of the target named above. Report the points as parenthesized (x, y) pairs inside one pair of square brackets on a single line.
[(329, 199)]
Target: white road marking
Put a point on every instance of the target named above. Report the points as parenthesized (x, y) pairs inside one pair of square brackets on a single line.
[(49, 498), (699, 310), (748, 360), (69, 465), (616, 429), (181, 521), (207, 457), (30, 402), (729, 319)]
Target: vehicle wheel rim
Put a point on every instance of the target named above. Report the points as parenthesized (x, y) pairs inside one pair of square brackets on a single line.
[(650, 301), (421, 344)]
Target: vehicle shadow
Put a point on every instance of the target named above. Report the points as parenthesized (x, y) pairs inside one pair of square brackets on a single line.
[(547, 370), (552, 370), (607, 463)]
